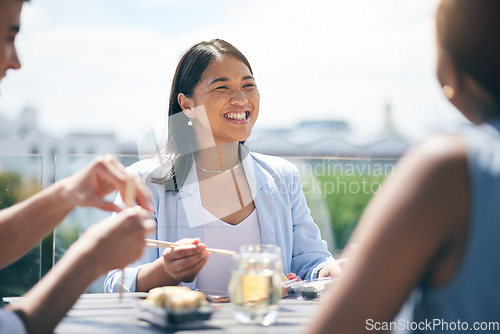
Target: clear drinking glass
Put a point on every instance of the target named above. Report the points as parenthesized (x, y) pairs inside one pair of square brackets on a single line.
[(255, 284)]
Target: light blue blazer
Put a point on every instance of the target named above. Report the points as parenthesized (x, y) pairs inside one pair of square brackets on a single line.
[(284, 216)]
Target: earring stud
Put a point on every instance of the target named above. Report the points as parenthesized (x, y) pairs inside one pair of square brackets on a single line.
[(448, 92)]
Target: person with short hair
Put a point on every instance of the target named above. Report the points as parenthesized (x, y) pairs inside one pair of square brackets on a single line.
[(110, 244)]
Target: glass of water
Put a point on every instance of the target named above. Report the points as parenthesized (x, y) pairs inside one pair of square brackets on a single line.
[(255, 284)]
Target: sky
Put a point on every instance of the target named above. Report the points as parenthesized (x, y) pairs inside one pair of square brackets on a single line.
[(107, 66)]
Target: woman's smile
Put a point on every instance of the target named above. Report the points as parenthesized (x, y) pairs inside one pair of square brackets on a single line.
[(237, 117)]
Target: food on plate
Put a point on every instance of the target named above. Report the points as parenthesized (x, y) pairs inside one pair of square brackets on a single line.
[(292, 276), (176, 298), (287, 281), (171, 305)]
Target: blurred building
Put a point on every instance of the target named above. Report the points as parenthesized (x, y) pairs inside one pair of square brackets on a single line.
[(22, 136), (333, 138)]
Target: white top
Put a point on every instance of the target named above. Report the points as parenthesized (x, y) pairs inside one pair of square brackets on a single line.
[(214, 276), (11, 323)]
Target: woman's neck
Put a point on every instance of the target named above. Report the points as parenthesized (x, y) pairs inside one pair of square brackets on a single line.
[(220, 157)]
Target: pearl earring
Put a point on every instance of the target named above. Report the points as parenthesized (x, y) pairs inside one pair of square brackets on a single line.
[(190, 122), (448, 92)]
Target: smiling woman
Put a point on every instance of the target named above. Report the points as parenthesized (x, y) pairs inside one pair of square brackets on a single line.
[(208, 186)]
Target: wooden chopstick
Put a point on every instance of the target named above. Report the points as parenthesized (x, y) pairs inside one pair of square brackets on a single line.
[(129, 200), (129, 191), (164, 244)]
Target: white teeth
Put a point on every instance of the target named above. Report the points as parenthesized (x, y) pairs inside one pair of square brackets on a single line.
[(239, 116)]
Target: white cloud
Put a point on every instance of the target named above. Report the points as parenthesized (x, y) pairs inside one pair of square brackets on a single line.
[(314, 59)]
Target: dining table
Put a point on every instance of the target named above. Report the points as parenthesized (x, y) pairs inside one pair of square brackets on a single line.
[(112, 313)]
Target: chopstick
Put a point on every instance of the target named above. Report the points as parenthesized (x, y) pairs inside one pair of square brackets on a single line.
[(165, 244), (129, 200), (129, 191)]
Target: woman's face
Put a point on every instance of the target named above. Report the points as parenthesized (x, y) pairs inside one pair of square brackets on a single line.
[(229, 95)]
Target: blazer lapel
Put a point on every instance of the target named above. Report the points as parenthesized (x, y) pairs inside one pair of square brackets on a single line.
[(260, 182), (265, 209), (189, 207)]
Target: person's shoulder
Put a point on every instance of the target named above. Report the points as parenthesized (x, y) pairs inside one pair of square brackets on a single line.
[(440, 149), (273, 164), (150, 167), (439, 159), (145, 165)]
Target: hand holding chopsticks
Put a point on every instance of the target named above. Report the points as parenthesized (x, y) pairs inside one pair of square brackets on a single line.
[(165, 244)]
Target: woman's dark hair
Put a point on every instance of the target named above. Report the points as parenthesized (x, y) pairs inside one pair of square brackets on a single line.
[(469, 30), (181, 137)]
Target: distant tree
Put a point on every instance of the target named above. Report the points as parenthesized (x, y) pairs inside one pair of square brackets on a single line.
[(346, 187), (10, 188), (20, 276), (346, 207)]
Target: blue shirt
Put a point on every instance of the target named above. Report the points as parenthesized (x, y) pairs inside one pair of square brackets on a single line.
[(472, 296)]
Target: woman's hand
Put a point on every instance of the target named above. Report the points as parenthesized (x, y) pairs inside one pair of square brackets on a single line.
[(184, 262)]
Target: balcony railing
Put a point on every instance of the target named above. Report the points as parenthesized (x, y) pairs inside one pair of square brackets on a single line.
[(336, 189)]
